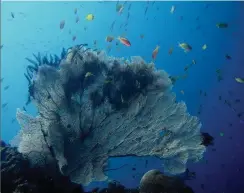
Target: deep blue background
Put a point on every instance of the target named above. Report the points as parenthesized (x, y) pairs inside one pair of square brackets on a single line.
[(36, 28)]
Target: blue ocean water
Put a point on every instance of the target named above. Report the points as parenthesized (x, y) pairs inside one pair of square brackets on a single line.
[(31, 27)]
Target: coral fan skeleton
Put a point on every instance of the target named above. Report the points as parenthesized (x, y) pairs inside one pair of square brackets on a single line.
[(93, 107)]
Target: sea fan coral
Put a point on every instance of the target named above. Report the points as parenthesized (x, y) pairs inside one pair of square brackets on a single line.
[(95, 107)]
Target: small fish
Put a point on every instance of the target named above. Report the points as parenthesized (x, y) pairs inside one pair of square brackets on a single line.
[(109, 38), (145, 12), (240, 114), (186, 68), (155, 52), (112, 25), (204, 47), (75, 10), (61, 25), (171, 50), (1, 79), (124, 41), (4, 105), (172, 10), (74, 38), (107, 81), (194, 62), (13, 120), (220, 98), (142, 36), (77, 19), (1, 46), (228, 57), (240, 80), (118, 7), (90, 17), (237, 101), (121, 10), (6, 87), (12, 14), (218, 71), (186, 47), (221, 25), (221, 134), (182, 92), (88, 74)]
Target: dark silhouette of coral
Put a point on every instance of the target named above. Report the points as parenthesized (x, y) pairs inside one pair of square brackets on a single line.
[(32, 69), (17, 175), (155, 181)]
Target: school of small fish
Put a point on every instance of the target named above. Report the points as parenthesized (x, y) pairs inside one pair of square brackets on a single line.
[(118, 39)]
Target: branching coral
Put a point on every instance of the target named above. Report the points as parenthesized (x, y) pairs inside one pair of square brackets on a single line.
[(95, 107), (32, 69)]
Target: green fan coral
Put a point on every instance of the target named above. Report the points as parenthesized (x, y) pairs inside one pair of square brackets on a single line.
[(95, 107)]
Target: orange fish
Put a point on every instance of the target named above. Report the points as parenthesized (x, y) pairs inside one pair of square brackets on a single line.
[(62, 23), (155, 52), (124, 41)]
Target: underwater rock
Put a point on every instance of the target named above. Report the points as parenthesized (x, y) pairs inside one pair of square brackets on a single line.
[(154, 181), (94, 107), (17, 175)]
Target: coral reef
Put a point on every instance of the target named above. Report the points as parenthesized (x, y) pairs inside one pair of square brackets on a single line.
[(32, 69), (17, 176), (154, 181), (93, 107)]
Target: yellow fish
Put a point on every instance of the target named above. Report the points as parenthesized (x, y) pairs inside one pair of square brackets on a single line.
[(240, 80), (88, 74), (204, 47), (186, 47), (155, 52), (90, 17), (107, 81)]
